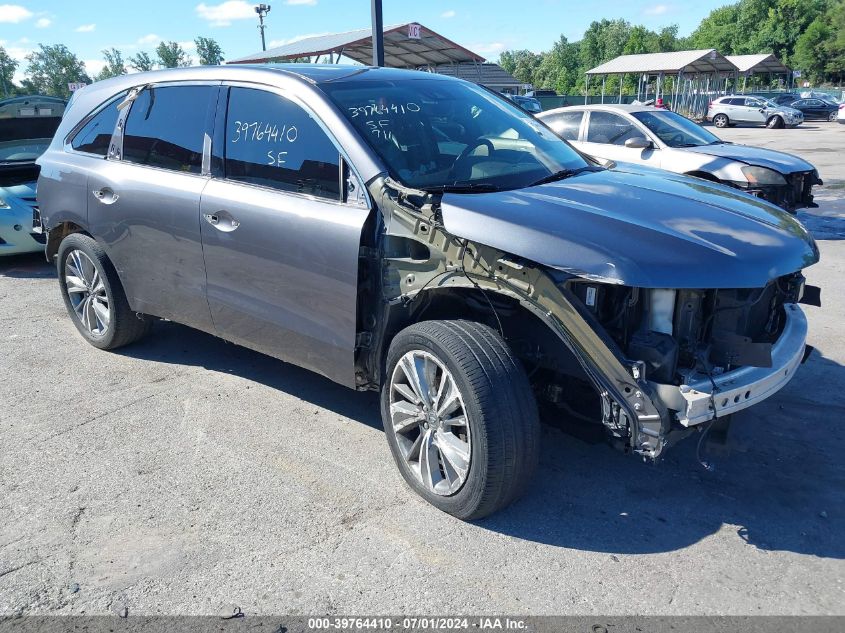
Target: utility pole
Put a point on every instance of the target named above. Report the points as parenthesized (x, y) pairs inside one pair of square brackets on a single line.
[(262, 10), (378, 34)]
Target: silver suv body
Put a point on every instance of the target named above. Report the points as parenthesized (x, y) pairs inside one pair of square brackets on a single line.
[(416, 234), (748, 110), (658, 138)]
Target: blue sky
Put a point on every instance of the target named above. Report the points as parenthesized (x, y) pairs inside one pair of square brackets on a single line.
[(484, 26)]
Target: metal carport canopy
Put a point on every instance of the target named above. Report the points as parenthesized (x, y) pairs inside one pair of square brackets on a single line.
[(686, 62), (400, 50), (763, 63)]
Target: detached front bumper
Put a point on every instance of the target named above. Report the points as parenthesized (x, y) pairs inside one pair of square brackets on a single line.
[(696, 401)]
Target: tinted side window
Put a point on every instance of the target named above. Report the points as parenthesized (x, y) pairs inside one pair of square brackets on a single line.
[(166, 127), (566, 124), (95, 136), (737, 102), (271, 141), (610, 128)]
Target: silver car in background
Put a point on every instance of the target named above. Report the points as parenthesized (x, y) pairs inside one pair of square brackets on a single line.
[(735, 109), (666, 140)]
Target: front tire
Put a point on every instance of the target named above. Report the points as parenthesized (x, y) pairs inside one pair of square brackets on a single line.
[(721, 120), (775, 123), (94, 297), (459, 416), (831, 117)]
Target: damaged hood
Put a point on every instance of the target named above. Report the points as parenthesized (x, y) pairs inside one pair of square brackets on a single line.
[(631, 226), (779, 161)]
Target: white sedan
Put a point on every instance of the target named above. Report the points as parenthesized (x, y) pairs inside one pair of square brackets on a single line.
[(659, 138)]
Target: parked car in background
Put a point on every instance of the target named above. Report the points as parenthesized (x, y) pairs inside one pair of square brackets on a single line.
[(658, 138), (816, 109), (415, 234), (783, 99), (841, 113), (529, 104), (740, 109), (27, 125), (542, 92)]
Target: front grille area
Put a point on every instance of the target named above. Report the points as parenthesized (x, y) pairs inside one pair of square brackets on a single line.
[(796, 194), (706, 331)]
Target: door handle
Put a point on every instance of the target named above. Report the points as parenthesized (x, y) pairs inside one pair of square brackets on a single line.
[(105, 195), (222, 221)]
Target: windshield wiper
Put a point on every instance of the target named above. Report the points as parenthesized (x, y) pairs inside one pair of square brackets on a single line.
[(466, 187), (560, 175)]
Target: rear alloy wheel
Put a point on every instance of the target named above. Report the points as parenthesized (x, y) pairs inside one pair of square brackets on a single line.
[(94, 297), (459, 417), (774, 123), (831, 117), (721, 120)]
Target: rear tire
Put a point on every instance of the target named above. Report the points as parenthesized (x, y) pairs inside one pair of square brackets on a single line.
[(831, 117), (94, 296), (775, 123), (479, 454), (721, 120)]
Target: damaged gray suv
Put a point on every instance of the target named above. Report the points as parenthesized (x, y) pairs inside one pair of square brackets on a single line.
[(418, 235)]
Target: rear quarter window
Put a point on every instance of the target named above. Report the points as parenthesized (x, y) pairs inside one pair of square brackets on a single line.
[(94, 137)]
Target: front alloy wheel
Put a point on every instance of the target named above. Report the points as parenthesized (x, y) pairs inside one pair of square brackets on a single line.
[(459, 416), (429, 422), (87, 293)]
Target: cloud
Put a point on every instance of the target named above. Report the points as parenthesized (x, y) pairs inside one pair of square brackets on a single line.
[(189, 46), (86, 28), (448, 14), (310, 3), (94, 66), (18, 53), (222, 14), (657, 9), (43, 23), (14, 13), (487, 47), (152, 38)]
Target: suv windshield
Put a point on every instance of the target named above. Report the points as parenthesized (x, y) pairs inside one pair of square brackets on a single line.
[(435, 133), (675, 130)]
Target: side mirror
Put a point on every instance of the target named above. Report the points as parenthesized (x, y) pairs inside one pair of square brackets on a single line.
[(639, 142)]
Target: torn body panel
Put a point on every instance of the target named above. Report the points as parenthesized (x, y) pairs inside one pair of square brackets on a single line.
[(661, 360), (445, 261)]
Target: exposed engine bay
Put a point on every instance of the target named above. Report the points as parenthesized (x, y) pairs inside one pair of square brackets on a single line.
[(647, 364)]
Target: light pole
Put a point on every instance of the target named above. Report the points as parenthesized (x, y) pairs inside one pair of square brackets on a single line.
[(378, 33), (262, 10)]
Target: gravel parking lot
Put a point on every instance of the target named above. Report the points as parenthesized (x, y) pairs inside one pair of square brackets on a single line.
[(184, 475)]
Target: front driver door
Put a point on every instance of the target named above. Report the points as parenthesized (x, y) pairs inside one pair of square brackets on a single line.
[(281, 246), (606, 135)]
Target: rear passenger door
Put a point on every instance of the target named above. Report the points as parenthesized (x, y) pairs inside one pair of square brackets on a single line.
[(144, 200), (281, 245)]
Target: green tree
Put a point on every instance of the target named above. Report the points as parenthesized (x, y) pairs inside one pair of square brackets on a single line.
[(209, 51), (8, 66), (172, 55), (51, 68), (115, 65), (717, 30), (522, 64), (560, 67), (142, 62)]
